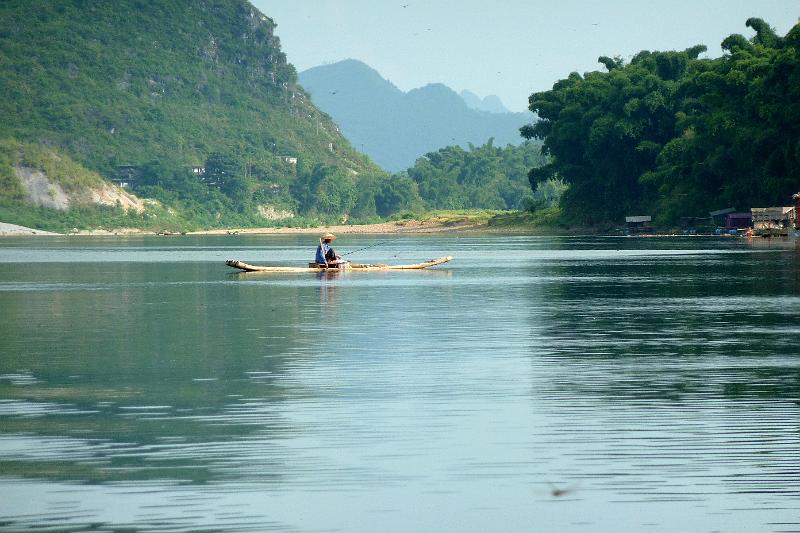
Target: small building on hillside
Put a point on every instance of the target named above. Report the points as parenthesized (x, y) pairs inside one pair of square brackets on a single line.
[(738, 221), (639, 224), (720, 216), (198, 170), (773, 218), (126, 175)]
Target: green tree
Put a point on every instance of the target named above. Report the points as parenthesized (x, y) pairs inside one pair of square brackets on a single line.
[(326, 190), (737, 138), (675, 134), (485, 177), (221, 171), (367, 188), (604, 130), (397, 193), (336, 194)]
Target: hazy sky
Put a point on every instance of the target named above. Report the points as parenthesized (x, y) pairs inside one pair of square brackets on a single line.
[(510, 48)]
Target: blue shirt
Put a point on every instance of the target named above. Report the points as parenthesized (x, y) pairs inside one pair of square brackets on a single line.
[(322, 249)]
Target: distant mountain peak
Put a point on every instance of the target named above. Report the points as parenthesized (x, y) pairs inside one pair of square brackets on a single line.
[(348, 76), (394, 127), (491, 103)]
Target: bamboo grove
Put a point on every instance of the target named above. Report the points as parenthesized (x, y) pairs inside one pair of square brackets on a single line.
[(671, 134)]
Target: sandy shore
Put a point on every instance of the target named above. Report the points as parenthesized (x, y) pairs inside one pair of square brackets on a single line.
[(410, 226), (13, 229)]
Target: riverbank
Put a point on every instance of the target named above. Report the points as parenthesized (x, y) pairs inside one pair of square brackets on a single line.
[(404, 226), (439, 222), (458, 221)]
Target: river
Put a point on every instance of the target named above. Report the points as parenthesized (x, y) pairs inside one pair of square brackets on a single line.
[(571, 384)]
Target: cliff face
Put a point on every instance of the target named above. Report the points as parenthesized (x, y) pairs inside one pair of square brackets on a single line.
[(42, 191)]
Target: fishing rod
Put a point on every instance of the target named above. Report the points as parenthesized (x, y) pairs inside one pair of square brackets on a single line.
[(368, 247)]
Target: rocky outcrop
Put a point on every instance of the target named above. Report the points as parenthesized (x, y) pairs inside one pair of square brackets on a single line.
[(110, 194), (270, 212), (43, 192)]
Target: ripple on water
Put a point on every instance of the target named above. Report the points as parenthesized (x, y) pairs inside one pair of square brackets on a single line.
[(534, 384)]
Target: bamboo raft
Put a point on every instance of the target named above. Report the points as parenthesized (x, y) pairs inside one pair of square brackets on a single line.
[(313, 267)]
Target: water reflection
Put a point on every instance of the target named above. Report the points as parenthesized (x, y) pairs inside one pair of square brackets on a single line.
[(575, 384), (684, 366), (157, 373)]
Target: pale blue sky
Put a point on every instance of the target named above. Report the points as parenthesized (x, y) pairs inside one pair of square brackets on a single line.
[(509, 48)]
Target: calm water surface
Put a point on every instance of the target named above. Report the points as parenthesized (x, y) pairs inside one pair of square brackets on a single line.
[(653, 384)]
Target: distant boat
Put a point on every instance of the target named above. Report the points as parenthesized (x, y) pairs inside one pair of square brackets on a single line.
[(313, 267)]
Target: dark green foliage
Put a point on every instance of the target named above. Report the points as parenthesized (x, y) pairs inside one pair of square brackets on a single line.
[(547, 194), (604, 130), (674, 135), (223, 172), (326, 191), (739, 128), (484, 177), (395, 194)]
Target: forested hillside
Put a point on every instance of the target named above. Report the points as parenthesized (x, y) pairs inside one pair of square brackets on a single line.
[(672, 135), (147, 90)]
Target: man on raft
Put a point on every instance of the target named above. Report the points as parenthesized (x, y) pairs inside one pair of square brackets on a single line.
[(326, 257)]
